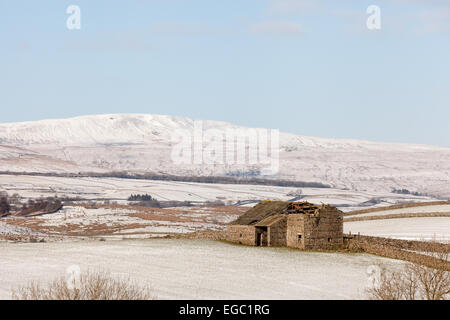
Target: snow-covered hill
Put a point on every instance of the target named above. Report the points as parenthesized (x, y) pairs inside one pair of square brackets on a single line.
[(145, 143)]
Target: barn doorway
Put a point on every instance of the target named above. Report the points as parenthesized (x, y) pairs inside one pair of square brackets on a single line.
[(261, 236), (258, 239)]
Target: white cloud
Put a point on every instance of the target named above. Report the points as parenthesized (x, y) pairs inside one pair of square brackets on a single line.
[(427, 2), (434, 21), (188, 29), (289, 7), (422, 20), (277, 28), (148, 38), (111, 41)]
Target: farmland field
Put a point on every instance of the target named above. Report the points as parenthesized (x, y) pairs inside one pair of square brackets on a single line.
[(422, 209), (195, 269), (424, 228), (118, 190)]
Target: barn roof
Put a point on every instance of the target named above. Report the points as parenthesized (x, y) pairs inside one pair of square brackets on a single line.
[(267, 222), (266, 209)]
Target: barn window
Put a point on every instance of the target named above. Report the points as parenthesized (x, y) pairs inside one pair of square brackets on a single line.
[(240, 235), (299, 237), (329, 239)]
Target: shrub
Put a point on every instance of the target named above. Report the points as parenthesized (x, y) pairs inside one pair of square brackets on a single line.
[(415, 281), (5, 207), (89, 286)]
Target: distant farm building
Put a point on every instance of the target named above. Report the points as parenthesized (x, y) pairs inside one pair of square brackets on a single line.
[(289, 224)]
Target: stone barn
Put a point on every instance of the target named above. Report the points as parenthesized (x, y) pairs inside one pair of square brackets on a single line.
[(299, 225)]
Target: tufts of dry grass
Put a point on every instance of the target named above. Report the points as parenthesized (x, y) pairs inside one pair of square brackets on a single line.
[(88, 286)]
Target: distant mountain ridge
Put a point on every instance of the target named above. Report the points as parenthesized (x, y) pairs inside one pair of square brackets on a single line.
[(143, 143)]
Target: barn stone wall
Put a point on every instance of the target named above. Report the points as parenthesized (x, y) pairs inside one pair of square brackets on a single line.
[(241, 234), (277, 232), (324, 230), (295, 228)]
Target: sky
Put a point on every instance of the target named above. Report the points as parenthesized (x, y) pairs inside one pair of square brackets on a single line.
[(310, 67)]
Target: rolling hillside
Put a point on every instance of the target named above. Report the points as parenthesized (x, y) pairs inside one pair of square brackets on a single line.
[(144, 143)]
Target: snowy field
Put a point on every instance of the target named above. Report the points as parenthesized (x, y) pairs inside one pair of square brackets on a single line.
[(130, 222), (437, 228), (120, 222), (144, 223), (420, 209), (194, 269), (119, 190), (154, 222), (7, 229)]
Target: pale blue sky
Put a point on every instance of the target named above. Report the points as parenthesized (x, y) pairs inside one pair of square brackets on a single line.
[(303, 66)]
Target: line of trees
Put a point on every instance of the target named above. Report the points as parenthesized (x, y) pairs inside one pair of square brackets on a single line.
[(406, 191), (166, 177), (218, 179), (146, 200), (140, 197)]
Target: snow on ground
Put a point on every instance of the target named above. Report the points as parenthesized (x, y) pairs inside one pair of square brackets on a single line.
[(10, 230), (419, 209), (196, 269), (129, 221), (119, 190), (79, 215), (437, 228)]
